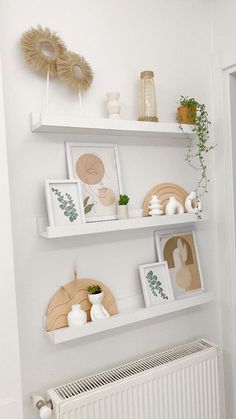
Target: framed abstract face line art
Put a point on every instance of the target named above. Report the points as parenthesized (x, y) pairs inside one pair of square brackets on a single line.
[(97, 168), (178, 249)]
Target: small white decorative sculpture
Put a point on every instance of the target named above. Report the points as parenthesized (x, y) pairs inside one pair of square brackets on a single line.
[(97, 312), (155, 207), (174, 206), (77, 316), (190, 200), (113, 105)]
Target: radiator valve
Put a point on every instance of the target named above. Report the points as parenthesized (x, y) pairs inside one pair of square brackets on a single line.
[(44, 407)]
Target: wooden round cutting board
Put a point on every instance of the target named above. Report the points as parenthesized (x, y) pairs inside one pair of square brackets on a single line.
[(75, 292), (164, 191)]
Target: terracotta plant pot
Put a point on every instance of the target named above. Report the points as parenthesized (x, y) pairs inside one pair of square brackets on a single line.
[(186, 114)]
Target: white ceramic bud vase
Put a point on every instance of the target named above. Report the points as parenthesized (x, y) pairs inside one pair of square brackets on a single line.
[(113, 105), (76, 317), (122, 212), (174, 206), (97, 312), (190, 203)]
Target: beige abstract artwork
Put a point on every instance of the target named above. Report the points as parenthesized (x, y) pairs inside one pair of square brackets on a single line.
[(180, 253)]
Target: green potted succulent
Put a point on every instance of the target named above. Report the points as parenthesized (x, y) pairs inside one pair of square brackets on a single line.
[(196, 114), (122, 209)]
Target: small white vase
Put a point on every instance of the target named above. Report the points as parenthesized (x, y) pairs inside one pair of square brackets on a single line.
[(174, 206), (122, 212), (76, 317), (190, 200), (97, 312), (113, 105)]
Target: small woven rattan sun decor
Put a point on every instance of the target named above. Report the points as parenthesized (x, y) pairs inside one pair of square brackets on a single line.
[(41, 48), (75, 71)]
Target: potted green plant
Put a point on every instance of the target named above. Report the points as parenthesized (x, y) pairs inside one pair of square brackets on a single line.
[(196, 150), (95, 296), (186, 112), (122, 209)]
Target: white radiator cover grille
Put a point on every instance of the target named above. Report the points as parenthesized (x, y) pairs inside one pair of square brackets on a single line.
[(181, 383)]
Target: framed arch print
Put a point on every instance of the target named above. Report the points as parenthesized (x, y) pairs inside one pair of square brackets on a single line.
[(97, 168), (178, 249)]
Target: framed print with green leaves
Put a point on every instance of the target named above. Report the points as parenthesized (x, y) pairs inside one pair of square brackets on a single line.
[(156, 283), (64, 202), (97, 168)]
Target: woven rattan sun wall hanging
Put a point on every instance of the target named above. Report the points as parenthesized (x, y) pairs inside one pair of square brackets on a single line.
[(41, 48), (47, 53), (74, 71)]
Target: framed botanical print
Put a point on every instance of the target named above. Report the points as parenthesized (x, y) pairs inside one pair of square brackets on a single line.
[(64, 202), (156, 284), (178, 249), (97, 168)]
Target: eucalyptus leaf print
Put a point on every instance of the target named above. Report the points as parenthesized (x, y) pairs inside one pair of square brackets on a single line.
[(155, 286), (66, 204)]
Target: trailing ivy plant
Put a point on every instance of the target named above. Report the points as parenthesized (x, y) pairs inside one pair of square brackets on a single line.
[(196, 151), (66, 204), (155, 285)]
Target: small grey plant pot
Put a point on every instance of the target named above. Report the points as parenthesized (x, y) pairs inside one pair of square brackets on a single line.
[(122, 212)]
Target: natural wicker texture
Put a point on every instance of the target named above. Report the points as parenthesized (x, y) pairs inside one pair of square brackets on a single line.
[(33, 42), (67, 64)]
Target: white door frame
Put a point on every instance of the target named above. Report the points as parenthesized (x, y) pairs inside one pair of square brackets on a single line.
[(224, 67), (10, 382)]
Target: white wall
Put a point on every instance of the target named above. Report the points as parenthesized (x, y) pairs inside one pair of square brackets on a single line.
[(119, 40)]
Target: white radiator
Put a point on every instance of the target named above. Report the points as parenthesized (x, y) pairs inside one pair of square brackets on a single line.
[(181, 383)]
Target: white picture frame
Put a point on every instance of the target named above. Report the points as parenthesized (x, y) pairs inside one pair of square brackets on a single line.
[(179, 249), (97, 167), (156, 283), (57, 201)]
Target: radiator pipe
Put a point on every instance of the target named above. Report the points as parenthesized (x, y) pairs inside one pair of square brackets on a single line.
[(44, 407)]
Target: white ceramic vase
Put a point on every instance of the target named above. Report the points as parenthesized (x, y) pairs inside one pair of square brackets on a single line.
[(113, 105), (97, 312), (76, 317), (155, 207), (190, 203), (122, 212), (174, 206)]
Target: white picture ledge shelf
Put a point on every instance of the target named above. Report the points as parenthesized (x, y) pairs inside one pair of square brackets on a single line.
[(67, 334), (75, 125), (116, 225)]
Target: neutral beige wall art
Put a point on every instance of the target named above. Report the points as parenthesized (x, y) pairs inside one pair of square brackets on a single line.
[(47, 53), (75, 292), (179, 250), (164, 191)]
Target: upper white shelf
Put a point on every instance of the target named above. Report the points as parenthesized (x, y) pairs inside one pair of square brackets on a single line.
[(116, 225), (72, 125)]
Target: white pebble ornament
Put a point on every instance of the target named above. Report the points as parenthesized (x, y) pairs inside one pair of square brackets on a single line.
[(174, 206)]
